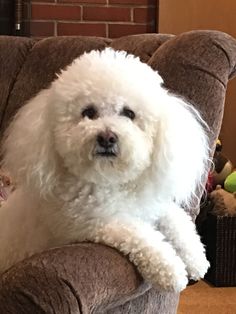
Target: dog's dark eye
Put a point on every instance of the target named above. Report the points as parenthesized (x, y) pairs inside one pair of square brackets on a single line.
[(128, 113), (89, 112)]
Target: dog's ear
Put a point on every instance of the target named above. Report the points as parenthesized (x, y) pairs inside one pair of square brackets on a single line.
[(28, 154), (181, 155)]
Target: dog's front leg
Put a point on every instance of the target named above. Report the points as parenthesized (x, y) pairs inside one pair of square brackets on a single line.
[(180, 231), (155, 259)]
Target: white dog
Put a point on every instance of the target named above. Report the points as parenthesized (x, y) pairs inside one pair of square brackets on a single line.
[(107, 155)]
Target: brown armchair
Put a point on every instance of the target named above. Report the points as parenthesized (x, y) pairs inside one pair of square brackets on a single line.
[(91, 278)]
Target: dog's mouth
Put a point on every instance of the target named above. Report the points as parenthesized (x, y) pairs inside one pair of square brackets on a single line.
[(106, 152)]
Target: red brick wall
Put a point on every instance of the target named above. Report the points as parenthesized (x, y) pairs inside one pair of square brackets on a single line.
[(106, 18)]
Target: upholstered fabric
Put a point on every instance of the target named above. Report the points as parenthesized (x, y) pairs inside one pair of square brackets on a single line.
[(91, 278)]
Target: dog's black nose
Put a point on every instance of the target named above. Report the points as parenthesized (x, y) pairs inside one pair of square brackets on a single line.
[(107, 139)]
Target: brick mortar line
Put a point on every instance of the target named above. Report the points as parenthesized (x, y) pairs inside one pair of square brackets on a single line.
[(91, 22), (82, 13), (55, 28), (120, 6), (107, 29), (132, 15), (95, 5)]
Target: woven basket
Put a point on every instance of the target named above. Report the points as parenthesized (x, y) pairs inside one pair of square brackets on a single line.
[(219, 235)]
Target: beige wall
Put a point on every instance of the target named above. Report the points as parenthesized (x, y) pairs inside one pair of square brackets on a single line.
[(177, 16)]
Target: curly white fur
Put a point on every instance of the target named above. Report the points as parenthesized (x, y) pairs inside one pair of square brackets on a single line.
[(67, 192)]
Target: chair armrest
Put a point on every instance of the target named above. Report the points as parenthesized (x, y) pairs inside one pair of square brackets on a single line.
[(80, 278)]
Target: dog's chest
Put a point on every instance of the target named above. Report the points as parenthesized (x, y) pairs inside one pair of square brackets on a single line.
[(93, 202)]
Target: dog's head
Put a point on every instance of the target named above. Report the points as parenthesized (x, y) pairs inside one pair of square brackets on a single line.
[(105, 119), (108, 120)]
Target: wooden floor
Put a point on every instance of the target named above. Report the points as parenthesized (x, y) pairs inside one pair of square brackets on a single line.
[(202, 298)]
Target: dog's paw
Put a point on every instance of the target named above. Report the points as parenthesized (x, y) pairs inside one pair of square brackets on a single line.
[(169, 275), (198, 267)]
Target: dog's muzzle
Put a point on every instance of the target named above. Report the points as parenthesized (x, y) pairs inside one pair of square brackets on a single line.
[(106, 144)]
